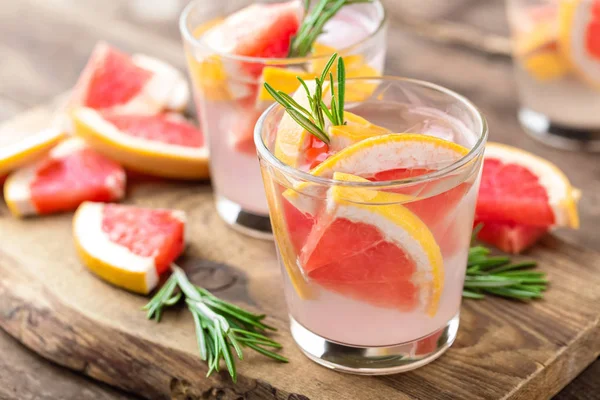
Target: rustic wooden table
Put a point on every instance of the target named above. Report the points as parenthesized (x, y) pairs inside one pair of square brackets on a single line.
[(459, 43)]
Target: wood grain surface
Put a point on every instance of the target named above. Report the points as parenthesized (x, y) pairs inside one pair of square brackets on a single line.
[(499, 344)]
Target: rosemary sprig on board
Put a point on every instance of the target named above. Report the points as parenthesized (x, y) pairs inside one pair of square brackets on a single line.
[(313, 118), (222, 329), (313, 23), (496, 275)]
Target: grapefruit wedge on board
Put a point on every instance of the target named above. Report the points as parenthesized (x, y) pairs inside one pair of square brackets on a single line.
[(521, 197), (163, 145), (380, 252), (128, 246), (19, 149), (522, 188), (139, 84), (71, 174)]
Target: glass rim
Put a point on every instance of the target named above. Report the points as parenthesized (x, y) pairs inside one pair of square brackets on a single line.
[(189, 37), (266, 154)]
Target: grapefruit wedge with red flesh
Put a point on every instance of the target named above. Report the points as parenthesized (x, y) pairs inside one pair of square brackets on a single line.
[(115, 81), (521, 188), (509, 237), (163, 145), (368, 247), (19, 149), (392, 156), (128, 246), (71, 174)]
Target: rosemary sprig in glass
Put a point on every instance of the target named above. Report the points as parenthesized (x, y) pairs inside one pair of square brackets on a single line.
[(222, 328), (313, 119), (313, 23), (496, 275)]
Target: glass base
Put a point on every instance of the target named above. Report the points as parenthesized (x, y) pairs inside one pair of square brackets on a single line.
[(539, 127), (251, 224), (377, 360)]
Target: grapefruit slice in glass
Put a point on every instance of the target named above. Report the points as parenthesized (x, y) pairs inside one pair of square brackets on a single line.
[(368, 247), (521, 188), (71, 174), (115, 81), (579, 37), (128, 246), (19, 149), (163, 145)]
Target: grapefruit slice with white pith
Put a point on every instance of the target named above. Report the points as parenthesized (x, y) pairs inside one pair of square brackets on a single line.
[(128, 246), (71, 174), (139, 84), (369, 247), (163, 145), (19, 149), (522, 188)]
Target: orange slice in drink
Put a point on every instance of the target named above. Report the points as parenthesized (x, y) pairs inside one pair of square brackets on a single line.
[(369, 247), (19, 149), (355, 130), (579, 37), (128, 246), (160, 145)]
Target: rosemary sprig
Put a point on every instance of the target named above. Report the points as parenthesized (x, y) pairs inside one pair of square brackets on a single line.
[(499, 277), (313, 23), (313, 119), (222, 328)]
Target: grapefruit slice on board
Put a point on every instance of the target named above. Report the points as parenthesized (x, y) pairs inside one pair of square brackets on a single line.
[(521, 188), (115, 81), (19, 149), (163, 145), (71, 174), (579, 37), (509, 237), (380, 253), (128, 246)]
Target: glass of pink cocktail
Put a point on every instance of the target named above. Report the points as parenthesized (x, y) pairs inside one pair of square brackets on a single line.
[(231, 52), (556, 48), (373, 233)]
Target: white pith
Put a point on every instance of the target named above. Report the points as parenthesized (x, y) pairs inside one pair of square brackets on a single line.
[(94, 120), (167, 87), (27, 142), (557, 185), (94, 241)]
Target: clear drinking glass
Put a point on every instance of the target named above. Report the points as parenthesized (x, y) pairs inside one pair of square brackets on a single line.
[(230, 97), (371, 319), (557, 66)]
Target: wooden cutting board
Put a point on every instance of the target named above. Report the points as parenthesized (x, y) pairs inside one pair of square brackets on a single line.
[(53, 305)]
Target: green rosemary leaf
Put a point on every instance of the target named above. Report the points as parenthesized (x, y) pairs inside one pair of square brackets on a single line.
[(173, 300), (226, 351), (489, 262), (523, 274), (234, 342), (200, 338), (328, 66), (472, 295), (267, 353), (521, 265), (483, 281), (341, 90), (260, 342), (293, 103), (308, 125), (326, 111), (515, 293)]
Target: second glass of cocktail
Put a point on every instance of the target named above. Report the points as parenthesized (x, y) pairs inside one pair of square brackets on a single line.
[(231, 52), (372, 216)]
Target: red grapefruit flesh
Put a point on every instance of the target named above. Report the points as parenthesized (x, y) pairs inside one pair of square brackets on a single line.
[(512, 193), (71, 174), (163, 128), (145, 232), (509, 237), (128, 246)]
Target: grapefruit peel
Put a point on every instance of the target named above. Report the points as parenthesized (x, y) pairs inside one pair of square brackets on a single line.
[(28, 149)]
